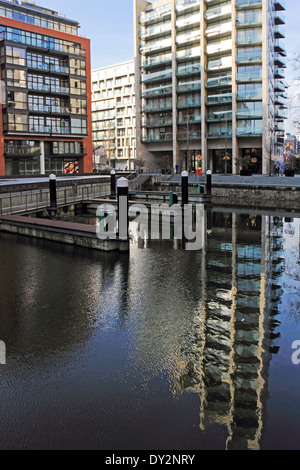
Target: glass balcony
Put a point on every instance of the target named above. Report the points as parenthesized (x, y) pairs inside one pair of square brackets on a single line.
[(251, 57), (249, 114), (157, 60), (218, 12), (156, 45), (248, 3), (188, 69), (188, 37), (189, 86), (248, 132), (189, 119), (162, 121), (219, 116), (189, 103), (249, 95), (279, 5), (219, 99), (279, 18), (158, 91), (220, 47), (158, 138), (194, 52), (249, 37), (223, 63), (182, 5), (280, 62), (156, 30), (279, 33), (219, 81), (61, 90), (155, 14), (223, 132), (157, 76), (279, 86), (252, 20), (219, 29), (188, 21), (192, 135), (279, 73), (249, 76), (157, 107), (40, 129)]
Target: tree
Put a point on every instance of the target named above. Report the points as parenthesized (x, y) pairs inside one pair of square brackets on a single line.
[(139, 164)]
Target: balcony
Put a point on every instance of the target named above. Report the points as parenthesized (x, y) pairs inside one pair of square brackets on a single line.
[(253, 57), (248, 114), (220, 133), (39, 87), (279, 18), (219, 99), (156, 31), (158, 91), (218, 13), (279, 86), (190, 103), (252, 21), (157, 76), (249, 37), (163, 121), (156, 15), (186, 38), (192, 53), (17, 150), (40, 129), (280, 62), (278, 73), (279, 49), (221, 46), (248, 3), (155, 46), (183, 5), (59, 69), (189, 120), (189, 86), (223, 63), (192, 135), (38, 66), (219, 116), (158, 138), (186, 22), (279, 5), (188, 70), (225, 80), (154, 108), (249, 95), (156, 61), (255, 76), (279, 33), (248, 132), (219, 29)]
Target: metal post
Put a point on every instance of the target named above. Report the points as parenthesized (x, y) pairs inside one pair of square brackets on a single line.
[(113, 184), (52, 184), (208, 182), (185, 188), (123, 206)]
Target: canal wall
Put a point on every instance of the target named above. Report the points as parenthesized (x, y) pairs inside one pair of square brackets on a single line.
[(269, 196)]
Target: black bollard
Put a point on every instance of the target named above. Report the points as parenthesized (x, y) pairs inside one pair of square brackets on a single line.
[(113, 184), (123, 207), (52, 184), (185, 188), (208, 182)]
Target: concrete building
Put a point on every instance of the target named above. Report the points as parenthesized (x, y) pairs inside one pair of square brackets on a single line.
[(113, 113), (45, 114), (210, 86)]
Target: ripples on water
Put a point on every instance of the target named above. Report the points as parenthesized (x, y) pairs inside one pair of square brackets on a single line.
[(165, 349)]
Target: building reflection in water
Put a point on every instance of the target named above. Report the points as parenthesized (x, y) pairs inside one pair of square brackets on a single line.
[(230, 345)]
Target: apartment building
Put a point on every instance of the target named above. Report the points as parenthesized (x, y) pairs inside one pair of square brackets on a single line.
[(113, 114), (45, 109), (210, 88)]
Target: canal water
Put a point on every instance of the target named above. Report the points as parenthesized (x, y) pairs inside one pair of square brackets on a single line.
[(164, 349)]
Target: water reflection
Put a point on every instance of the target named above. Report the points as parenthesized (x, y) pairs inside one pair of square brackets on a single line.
[(142, 336)]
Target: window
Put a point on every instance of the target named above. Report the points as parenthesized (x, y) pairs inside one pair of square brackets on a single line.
[(79, 126)]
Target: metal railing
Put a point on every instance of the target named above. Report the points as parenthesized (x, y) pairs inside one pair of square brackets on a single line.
[(30, 201)]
